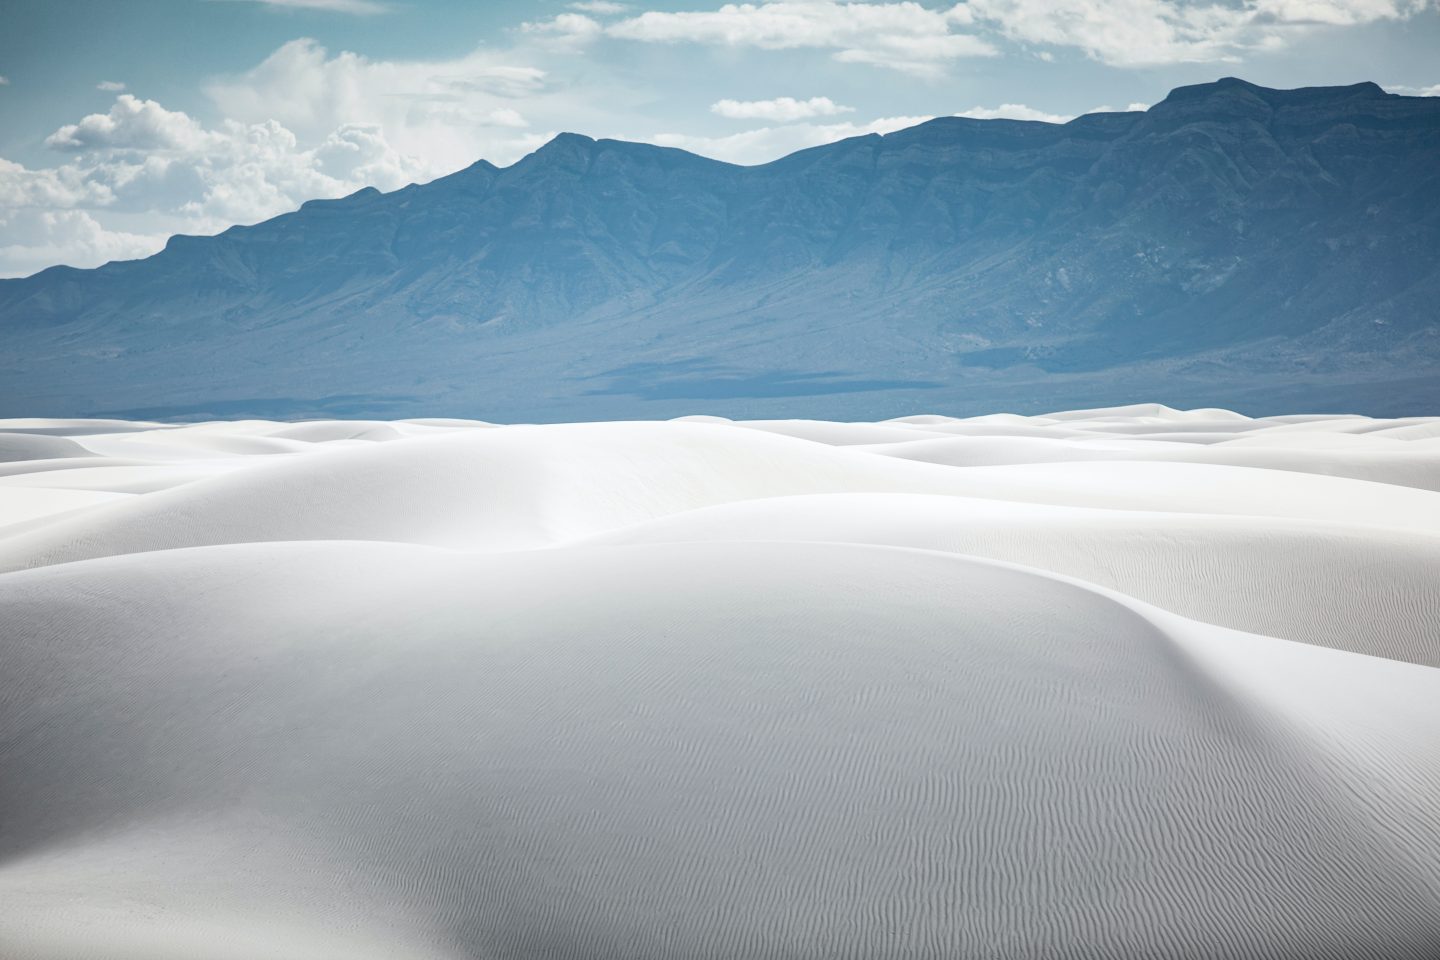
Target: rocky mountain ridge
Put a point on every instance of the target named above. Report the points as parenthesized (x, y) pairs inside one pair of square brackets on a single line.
[(1233, 244)]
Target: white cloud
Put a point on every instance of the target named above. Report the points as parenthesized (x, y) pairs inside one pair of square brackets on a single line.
[(55, 188), (1014, 111), (301, 124), (1139, 33), (1336, 12), (131, 124), (601, 7), (565, 30), (1019, 111), (4, 81), (764, 144), (902, 36), (36, 239), (110, 86), (1431, 91), (1121, 32), (449, 112), (162, 166), (779, 110)]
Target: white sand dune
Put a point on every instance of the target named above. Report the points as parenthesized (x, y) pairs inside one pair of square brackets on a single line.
[(1118, 683)]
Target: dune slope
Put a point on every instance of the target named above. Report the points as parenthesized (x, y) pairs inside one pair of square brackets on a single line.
[(720, 690)]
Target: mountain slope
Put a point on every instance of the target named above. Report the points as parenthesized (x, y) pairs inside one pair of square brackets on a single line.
[(1233, 244)]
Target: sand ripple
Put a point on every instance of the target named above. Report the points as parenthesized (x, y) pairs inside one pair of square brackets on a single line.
[(1122, 683)]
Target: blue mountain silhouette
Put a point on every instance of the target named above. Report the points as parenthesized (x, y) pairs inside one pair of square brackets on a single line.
[(1232, 245)]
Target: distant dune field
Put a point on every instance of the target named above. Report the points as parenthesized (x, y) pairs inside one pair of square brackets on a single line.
[(1122, 683)]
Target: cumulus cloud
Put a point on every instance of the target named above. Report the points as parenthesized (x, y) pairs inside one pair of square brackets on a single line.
[(901, 36), (110, 86), (779, 110), (141, 155), (301, 124), (143, 160), (54, 188), (601, 7), (131, 124), (36, 239)]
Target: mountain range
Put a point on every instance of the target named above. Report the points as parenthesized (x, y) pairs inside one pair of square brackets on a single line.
[(1231, 245)]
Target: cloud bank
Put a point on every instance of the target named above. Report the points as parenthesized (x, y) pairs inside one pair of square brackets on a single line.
[(781, 109)]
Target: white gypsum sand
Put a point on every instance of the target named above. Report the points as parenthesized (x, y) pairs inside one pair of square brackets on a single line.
[(1117, 683)]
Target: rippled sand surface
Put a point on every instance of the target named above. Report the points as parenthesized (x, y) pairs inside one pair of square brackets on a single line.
[(1114, 683)]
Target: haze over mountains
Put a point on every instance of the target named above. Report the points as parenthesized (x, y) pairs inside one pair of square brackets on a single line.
[(1233, 245)]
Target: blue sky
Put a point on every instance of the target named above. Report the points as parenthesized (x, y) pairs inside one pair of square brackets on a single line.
[(124, 122)]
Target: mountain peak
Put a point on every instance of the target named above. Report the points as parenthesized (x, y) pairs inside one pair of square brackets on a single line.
[(563, 143), (562, 150)]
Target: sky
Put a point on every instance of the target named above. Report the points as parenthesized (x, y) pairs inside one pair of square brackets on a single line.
[(123, 122)]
